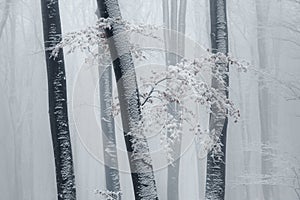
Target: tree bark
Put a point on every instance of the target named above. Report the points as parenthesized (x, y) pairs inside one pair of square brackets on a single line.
[(58, 111), (215, 177), (108, 131), (137, 147), (108, 126)]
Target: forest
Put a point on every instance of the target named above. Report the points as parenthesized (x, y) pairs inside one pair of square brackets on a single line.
[(149, 100)]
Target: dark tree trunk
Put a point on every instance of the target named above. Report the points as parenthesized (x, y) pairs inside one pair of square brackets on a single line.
[(108, 131), (140, 161), (215, 178), (58, 111), (108, 126)]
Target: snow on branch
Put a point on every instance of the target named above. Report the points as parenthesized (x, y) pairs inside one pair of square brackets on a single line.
[(108, 195), (183, 84), (92, 39), (180, 84)]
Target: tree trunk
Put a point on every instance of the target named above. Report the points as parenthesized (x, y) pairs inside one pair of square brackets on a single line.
[(58, 111), (4, 16), (108, 131), (174, 44), (14, 108), (178, 30), (166, 22), (173, 36), (181, 28), (245, 136), (264, 96), (173, 168), (215, 177), (108, 126), (137, 147)]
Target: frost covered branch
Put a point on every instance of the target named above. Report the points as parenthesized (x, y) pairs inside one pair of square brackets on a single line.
[(92, 38), (108, 195), (182, 84)]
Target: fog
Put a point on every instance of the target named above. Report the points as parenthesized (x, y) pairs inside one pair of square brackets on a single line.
[(27, 169)]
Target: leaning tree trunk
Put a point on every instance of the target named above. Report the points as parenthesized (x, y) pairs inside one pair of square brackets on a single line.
[(215, 177), (137, 147), (108, 126), (58, 111)]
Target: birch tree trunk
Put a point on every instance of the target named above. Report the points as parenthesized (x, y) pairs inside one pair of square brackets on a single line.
[(137, 146), (58, 111), (215, 177)]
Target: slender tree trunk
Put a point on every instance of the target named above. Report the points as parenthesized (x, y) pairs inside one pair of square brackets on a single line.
[(215, 178), (174, 29), (244, 129), (4, 16), (181, 27), (108, 126), (173, 168), (137, 146), (178, 30), (108, 131), (166, 22), (264, 96), (58, 111), (174, 44), (14, 108), (201, 162), (245, 137)]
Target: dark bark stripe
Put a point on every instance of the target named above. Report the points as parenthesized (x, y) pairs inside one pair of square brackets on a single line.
[(58, 111), (141, 168), (108, 132), (216, 169)]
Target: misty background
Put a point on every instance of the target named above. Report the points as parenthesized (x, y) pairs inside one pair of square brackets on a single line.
[(27, 164)]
